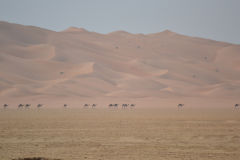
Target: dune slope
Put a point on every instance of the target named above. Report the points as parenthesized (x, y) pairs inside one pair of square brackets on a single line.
[(79, 63)]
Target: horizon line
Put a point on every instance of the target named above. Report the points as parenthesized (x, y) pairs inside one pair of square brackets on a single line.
[(112, 32)]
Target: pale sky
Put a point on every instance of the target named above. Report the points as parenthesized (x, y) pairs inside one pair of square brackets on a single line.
[(213, 19)]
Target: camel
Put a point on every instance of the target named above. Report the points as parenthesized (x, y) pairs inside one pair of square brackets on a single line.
[(94, 105), (180, 105), (124, 106), (236, 105), (20, 106), (132, 105), (115, 105), (39, 105), (5, 106), (27, 106), (110, 105), (86, 106)]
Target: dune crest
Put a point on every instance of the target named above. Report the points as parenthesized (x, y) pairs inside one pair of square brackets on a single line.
[(75, 29)]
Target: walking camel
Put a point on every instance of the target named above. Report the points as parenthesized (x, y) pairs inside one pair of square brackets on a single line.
[(132, 105), (5, 106), (180, 105), (27, 106), (86, 106), (110, 105), (236, 105), (20, 106), (94, 105), (124, 106), (39, 105), (115, 105)]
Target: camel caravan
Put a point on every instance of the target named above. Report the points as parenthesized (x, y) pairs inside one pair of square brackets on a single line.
[(180, 105), (113, 106), (86, 106), (89, 106), (124, 106), (22, 106)]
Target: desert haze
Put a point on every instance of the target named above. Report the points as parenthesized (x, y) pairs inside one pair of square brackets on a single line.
[(61, 71)]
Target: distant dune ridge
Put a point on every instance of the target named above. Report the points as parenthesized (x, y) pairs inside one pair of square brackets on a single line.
[(37, 62)]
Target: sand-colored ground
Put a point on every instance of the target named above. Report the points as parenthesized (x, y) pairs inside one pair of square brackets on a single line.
[(103, 134)]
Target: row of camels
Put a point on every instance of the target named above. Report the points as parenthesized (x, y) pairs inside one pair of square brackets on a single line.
[(66, 105), (181, 105), (124, 106)]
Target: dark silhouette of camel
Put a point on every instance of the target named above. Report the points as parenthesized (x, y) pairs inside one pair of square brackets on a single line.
[(86, 106), (132, 105), (39, 105), (124, 106), (5, 106), (180, 105), (20, 106), (236, 105), (115, 105), (27, 106)]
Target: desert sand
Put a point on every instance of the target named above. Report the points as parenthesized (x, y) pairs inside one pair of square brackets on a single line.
[(155, 72), (104, 134)]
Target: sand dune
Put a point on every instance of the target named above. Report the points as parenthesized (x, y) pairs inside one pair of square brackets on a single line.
[(37, 52), (79, 63)]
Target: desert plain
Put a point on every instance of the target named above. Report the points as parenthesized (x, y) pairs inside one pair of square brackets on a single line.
[(116, 134)]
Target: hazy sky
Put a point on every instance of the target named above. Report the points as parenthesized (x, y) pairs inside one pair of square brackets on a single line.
[(214, 19)]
